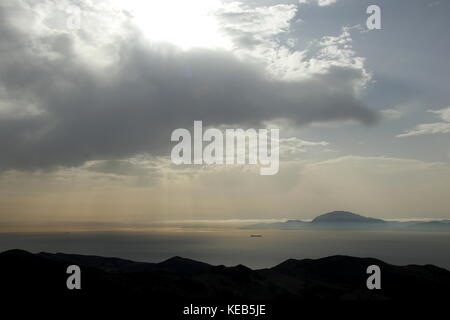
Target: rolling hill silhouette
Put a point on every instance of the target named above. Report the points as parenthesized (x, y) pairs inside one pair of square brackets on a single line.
[(335, 278)]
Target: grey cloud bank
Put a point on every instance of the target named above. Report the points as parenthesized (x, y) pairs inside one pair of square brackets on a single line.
[(56, 109)]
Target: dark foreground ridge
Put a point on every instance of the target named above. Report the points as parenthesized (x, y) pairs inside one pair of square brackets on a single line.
[(335, 278)]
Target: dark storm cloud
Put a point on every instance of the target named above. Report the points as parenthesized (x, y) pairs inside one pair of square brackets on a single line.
[(82, 112)]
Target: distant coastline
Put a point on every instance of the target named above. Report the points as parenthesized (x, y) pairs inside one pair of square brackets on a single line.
[(344, 220)]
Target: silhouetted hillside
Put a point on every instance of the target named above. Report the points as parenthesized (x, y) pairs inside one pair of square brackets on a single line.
[(335, 278), (117, 265)]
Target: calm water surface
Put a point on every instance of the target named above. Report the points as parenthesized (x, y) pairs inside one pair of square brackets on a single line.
[(231, 247)]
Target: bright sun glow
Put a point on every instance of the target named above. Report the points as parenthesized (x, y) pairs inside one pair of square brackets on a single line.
[(184, 23)]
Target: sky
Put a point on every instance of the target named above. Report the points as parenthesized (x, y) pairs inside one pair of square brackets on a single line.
[(90, 92)]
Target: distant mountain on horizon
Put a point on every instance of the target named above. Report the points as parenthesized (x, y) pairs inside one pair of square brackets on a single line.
[(333, 278), (345, 220), (344, 217)]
